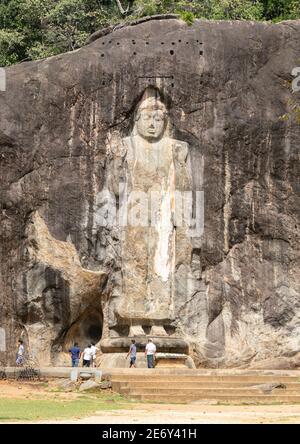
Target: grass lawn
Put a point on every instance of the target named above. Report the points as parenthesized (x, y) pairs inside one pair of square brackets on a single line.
[(33, 409)]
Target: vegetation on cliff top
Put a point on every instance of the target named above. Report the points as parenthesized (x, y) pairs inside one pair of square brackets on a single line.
[(31, 29)]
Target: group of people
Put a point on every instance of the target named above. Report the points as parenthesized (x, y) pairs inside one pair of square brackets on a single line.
[(88, 355), (150, 352), (90, 352)]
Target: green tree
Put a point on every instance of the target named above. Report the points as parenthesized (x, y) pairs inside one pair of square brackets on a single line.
[(278, 10), (31, 29), (208, 9)]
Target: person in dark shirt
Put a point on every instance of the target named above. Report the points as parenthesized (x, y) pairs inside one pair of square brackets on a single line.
[(75, 354), (132, 353)]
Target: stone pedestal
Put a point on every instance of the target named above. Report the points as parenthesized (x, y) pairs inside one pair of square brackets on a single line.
[(121, 361), (164, 344), (170, 360)]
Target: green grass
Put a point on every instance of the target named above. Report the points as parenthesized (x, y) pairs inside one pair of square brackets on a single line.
[(33, 410)]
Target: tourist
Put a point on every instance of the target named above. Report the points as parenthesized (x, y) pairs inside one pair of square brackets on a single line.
[(20, 354), (87, 356), (94, 355), (132, 353), (75, 354), (150, 353)]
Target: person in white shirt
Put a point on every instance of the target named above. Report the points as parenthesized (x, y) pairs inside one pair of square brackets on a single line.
[(150, 352), (20, 354), (94, 353), (87, 356)]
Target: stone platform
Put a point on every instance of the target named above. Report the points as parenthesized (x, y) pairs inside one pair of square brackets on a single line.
[(170, 360), (121, 361), (183, 385), (164, 344), (64, 372)]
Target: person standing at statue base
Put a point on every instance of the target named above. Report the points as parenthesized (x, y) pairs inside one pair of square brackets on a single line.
[(20, 354), (150, 352), (94, 354), (132, 353), (75, 354), (87, 356)]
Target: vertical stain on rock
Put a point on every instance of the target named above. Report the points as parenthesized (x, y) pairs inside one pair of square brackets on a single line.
[(227, 204)]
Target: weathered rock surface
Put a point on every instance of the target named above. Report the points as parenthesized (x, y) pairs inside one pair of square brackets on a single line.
[(105, 385), (268, 388), (235, 293), (88, 385), (67, 385)]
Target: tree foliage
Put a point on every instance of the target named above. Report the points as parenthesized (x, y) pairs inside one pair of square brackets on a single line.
[(31, 29)]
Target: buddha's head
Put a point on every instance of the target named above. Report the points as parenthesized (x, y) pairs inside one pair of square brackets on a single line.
[(151, 118)]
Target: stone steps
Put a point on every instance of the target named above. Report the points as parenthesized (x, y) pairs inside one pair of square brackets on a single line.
[(251, 379), (220, 399), (202, 393), (206, 385), (217, 388)]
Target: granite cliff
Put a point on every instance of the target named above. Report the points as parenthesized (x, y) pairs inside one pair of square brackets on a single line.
[(226, 124)]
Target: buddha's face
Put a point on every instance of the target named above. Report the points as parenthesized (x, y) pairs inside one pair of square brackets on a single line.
[(151, 123)]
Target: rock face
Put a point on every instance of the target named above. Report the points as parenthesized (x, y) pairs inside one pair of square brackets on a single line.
[(165, 109)]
